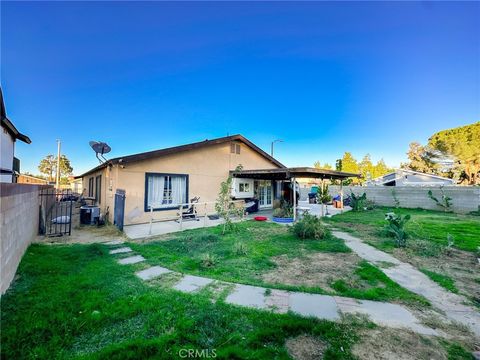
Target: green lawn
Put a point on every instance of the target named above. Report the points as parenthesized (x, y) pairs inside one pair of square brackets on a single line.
[(427, 225), (263, 241), (77, 302)]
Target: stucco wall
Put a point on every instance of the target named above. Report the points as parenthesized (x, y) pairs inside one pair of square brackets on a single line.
[(206, 167), (7, 146), (464, 198), (19, 208)]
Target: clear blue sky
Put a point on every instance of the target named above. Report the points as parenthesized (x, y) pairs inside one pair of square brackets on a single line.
[(325, 77)]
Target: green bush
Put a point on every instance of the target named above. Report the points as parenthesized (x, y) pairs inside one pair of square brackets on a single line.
[(310, 227), (239, 248), (209, 260), (284, 211), (396, 227)]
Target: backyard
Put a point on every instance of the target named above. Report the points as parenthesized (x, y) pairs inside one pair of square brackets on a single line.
[(76, 301)]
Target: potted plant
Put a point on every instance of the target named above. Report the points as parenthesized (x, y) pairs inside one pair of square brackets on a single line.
[(283, 214)]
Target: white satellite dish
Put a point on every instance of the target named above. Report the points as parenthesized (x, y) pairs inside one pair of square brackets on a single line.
[(100, 148)]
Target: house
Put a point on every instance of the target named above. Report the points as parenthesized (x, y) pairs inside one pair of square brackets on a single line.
[(155, 183), (404, 177), (9, 164), (29, 179)]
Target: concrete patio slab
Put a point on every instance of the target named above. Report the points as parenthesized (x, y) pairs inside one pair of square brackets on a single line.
[(190, 283), (114, 242), (319, 306), (131, 260), (152, 272), (246, 295), (122, 250)]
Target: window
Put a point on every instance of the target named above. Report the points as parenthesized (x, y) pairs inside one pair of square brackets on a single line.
[(244, 187), (235, 148), (90, 187), (165, 191), (98, 189)]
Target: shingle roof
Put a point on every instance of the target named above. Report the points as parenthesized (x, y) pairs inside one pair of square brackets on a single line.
[(186, 147)]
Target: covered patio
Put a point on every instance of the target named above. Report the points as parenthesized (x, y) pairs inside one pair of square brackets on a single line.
[(290, 175)]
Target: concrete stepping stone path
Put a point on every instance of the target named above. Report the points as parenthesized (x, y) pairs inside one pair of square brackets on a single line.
[(410, 278), (309, 305), (152, 273), (122, 250), (131, 260), (190, 283)]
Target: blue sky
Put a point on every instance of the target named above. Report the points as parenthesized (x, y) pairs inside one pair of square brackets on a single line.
[(325, 77)]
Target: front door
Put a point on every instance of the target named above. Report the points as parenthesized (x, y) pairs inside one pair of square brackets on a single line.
[(265, 193)]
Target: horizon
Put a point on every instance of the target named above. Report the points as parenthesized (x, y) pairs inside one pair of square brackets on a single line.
[(356, 77)]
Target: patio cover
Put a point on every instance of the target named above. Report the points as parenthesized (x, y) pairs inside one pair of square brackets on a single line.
[(294, 172)]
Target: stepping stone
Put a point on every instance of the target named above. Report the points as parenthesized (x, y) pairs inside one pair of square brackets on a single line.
[(121, 250), (386, 314), (114, 242), (190, 283), (249, 296), (131, 260), (152, 272), (278, 301), (319, 306)]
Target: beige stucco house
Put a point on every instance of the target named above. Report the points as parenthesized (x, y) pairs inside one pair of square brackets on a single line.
[(160, 180)]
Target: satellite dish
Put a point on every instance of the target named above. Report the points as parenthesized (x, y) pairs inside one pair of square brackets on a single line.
[(100, 148)]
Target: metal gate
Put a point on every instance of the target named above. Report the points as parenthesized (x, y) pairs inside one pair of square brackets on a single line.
[(119, 209), (56, 212)]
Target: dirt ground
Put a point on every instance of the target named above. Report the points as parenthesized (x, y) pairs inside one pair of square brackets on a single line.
[(85, 235), (319, 269), (305, 347), (395, 344)]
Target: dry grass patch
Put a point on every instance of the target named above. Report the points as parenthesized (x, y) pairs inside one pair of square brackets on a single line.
[(312, 270), (396, 344), (305, 347)]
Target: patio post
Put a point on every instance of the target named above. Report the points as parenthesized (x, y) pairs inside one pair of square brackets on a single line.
[(341, 195), (321, 203), (294, 200)]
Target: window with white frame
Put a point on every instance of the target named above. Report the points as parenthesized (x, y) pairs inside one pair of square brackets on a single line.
[(165, 191), (235, 148), (244, 187)]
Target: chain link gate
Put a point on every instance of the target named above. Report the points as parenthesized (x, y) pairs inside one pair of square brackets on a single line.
[(56, 211)]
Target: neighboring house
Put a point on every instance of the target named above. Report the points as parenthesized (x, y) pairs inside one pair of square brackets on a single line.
[(164, 178), (9, 164), (29, 179), (403, 177)]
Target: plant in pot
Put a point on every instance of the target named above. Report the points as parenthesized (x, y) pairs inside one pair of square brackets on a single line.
[(283, 214)]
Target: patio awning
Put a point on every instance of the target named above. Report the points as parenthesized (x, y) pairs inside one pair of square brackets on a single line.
[(294, 172)]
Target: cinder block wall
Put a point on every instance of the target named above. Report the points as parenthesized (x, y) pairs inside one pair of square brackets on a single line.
[(464, 198), (19, 210)]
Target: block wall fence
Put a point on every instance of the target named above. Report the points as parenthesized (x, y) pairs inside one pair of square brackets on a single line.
[(19, 217)]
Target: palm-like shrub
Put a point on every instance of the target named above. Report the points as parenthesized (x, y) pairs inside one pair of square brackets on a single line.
[(396, 227), (358, 202)]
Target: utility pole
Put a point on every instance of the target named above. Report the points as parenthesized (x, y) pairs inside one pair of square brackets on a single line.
[(57, 182), (273, 142)]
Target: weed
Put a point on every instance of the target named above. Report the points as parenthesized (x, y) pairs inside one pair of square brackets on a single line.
[(209, 260), (239, 248), (396, 227)]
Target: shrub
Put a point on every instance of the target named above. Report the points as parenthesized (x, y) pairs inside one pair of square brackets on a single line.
[(209, 260), (323, 195), (358, 202), (396, 227), (284, 211), (310, 227), (239, 248)]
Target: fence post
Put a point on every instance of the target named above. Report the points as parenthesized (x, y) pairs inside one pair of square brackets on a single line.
[(151, 220), (205, 214), (181, 217)]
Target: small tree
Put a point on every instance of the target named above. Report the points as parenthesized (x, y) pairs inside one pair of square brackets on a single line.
[(48, 166), (224, 206), (445, 202), (323, 195), (396, 227)]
